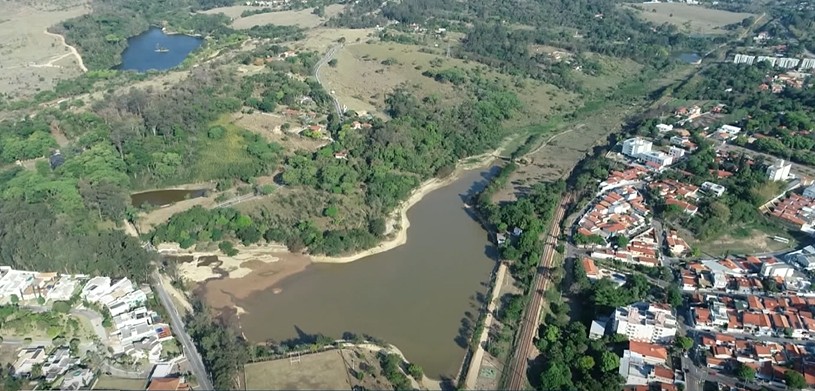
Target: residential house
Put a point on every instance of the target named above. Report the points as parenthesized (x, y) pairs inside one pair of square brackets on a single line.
[(26, 360)]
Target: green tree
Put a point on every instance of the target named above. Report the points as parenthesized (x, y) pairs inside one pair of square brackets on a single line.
[(415, 371), (621, 241), (556, 376), (794, 379), (744, 372), (673, 296), (609, 361), (684, 343), (332, 63), (15, 300), (585, 363)]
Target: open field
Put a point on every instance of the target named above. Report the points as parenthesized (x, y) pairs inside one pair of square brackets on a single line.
[(300, 204), (32, 60), (269, 126), (302, 18), (115, 383), (319, 371), (367, 72), (752, 242), (694, 19)]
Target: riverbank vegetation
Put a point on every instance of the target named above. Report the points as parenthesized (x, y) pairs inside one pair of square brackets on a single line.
[(223, 352)]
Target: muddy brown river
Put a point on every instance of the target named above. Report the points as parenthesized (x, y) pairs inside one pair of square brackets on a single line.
[(418, 296)]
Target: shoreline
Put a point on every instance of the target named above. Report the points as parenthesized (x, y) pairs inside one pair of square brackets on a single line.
[(400, 214)]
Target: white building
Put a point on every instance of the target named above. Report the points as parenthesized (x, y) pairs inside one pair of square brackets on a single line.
[(809, 192), (807, 63), (636, 146), (645, 322), (805, 257), (14, 282), (661, 159), (662, 128), (713, 188), (26, 360), (787, 63), (777, 270), (779, 171), (95, 289), (744, 59), (730, 130)]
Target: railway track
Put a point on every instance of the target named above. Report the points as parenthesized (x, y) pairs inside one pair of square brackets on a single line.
[(518, 363)]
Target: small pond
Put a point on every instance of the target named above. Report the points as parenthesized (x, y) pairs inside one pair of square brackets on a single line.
[(153, 49), (690, 58), (164, 197)]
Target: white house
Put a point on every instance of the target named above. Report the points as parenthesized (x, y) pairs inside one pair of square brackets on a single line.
[(26, 360), (777, 270), (662, 128), (713, 188), (730, 130), (779, 171), (95, 289), (633, 147)]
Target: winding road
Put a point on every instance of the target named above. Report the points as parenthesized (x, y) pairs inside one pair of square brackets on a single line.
[(71, 48), (326, 58)]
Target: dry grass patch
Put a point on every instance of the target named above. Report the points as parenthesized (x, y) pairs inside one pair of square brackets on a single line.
[(367, 72), (269, 126), (613, 72), (302, 18), (30, 59), (115, 383), (693, 19), (319, 371)]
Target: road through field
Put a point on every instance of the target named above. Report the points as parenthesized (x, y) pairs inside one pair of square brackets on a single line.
[(71, 48)]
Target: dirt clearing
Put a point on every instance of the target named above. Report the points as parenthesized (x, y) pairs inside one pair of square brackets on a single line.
[(30, 59), (318, 371), (302, 18), (269, 126), (693, 19)]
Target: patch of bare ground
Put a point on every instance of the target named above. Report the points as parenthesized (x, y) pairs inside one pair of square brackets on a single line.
[(305, 18), (31, 60), (269, 126)]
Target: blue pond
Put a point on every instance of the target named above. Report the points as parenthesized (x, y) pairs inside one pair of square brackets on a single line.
[(142, 53)]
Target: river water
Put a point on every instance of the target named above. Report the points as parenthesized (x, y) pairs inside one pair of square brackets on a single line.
[(417, 296), (141, 56)]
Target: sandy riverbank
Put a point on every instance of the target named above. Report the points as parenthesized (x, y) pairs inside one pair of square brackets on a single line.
[(399, 220)]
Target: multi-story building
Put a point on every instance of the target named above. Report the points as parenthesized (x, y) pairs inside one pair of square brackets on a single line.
[(779, 171), (644, 322), (657, 158), (636, 146)]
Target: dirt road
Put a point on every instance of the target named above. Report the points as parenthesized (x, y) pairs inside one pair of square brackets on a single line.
[(71, 48)]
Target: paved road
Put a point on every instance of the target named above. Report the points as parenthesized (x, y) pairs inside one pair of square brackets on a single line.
[(516, 368), (196, 364), (328, 56)]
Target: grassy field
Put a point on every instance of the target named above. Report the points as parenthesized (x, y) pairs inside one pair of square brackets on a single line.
[(367, 72), (320, 371), (114, 383), (744, 242), (217, 156), (692, 19), (30, 59), (303, 18)]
